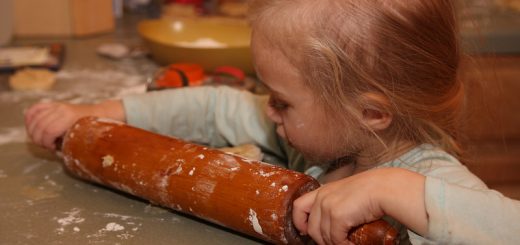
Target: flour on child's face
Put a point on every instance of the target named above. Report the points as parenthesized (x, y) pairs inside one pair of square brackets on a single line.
[(294, 108)]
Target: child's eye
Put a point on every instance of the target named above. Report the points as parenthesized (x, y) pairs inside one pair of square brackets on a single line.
[(277, 104)]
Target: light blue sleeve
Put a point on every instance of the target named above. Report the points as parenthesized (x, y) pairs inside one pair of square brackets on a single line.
[(463, 215), (215, 116), (461, 208)]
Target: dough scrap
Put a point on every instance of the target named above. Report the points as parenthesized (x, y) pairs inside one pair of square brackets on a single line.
[(248, 151), (32, 79)]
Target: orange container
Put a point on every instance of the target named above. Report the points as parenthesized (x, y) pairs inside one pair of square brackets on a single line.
[(180, 75)]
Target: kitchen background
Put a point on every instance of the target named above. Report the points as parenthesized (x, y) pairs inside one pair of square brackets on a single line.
[(101, 49)]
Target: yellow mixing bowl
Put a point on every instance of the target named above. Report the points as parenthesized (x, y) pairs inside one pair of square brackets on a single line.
[(210, 42)]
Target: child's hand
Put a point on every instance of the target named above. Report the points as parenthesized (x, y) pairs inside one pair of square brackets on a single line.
[(45, 122), (328, 213)]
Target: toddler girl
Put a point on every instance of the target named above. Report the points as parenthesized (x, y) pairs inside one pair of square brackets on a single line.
[(363, 95)]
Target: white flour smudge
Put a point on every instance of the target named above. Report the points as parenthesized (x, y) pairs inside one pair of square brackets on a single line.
[(32, 167), (112, 226), (254, 222), (108, 160), (72, 218), (178, 170), (274, 217), (12, 135), (119, 216), (263, 174)]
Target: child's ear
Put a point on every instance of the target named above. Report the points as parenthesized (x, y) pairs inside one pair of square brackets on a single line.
[(374, 115), (377, 120)]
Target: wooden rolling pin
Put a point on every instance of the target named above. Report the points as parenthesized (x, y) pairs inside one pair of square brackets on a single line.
[(248, 196)]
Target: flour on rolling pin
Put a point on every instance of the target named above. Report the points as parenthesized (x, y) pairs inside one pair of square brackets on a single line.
[(245, 195), (222, 188)]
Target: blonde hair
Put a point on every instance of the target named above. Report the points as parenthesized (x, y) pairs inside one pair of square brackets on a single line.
[(405, 50)]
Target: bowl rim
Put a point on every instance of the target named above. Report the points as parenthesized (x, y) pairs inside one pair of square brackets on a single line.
[(141, 31)]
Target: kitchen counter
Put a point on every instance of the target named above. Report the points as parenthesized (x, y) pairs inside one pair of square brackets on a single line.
[(42, 204)]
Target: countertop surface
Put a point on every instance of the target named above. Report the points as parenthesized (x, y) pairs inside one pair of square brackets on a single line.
[(42, 204)]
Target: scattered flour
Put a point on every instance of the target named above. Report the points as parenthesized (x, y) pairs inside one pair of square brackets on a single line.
[(178, 170), (119, 216), (32, 167), (72, 218), (264, 174), (112, 226), (108, 160), (12, 135), (274, 216)]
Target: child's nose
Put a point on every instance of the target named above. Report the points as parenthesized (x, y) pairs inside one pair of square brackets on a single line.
[(273, 115)]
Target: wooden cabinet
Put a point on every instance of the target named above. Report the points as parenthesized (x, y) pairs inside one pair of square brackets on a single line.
[(492, 121), (62, 17)]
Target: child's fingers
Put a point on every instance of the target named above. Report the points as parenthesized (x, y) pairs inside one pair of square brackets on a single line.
[(35, 113), (339, 231), (35, 123), (33, 110), (314, 221), (55, 129), (43, 125), (314, 224), (301, 209), (325, 225)]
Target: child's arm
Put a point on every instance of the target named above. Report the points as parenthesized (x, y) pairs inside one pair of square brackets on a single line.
[(327, 214), (217, 116), (444, 212), (47, 121), (461, 215)]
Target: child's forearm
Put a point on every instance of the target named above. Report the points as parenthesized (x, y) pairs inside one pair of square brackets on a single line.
[(113, 109), (403, 198)]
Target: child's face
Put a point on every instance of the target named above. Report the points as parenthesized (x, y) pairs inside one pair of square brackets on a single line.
[(294, 108)]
